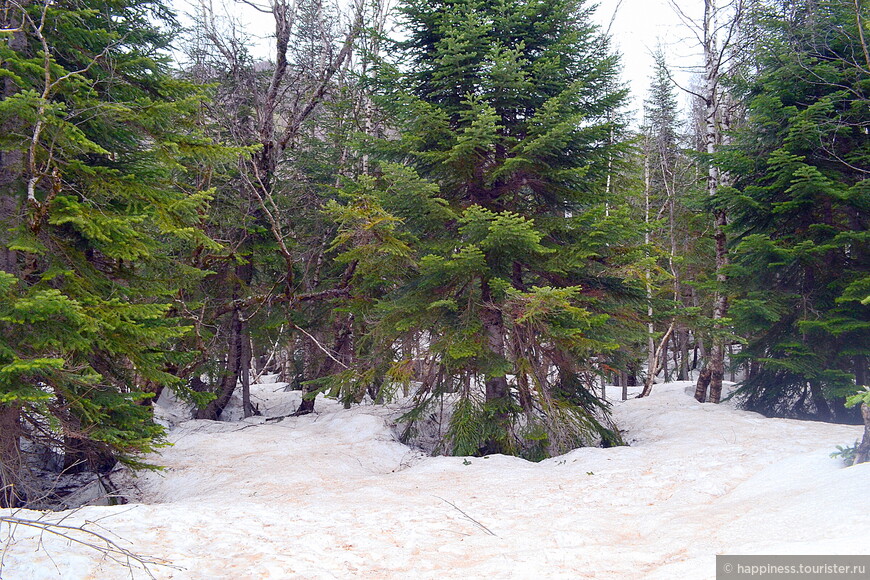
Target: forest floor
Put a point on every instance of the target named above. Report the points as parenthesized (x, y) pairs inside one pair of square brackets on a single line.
[(334, 495)]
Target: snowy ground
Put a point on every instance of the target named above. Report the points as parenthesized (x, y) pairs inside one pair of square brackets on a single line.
[(333, 495)]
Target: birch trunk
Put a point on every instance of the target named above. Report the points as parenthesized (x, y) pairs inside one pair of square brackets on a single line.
[(713, 136), (651, 346)]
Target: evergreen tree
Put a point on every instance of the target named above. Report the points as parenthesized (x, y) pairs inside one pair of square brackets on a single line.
[(507, 114), (670, 181), (97, 204), (800, 210)]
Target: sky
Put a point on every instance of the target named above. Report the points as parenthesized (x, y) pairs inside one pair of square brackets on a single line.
[(637, 27)]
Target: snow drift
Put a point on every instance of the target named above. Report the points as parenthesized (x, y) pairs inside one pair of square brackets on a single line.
[(334, 495)]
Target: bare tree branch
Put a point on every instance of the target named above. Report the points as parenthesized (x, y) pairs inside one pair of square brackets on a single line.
[(320, 346), (656, 360), (82, 536)]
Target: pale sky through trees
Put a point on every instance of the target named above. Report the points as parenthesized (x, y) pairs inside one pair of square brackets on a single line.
[(638, 26)]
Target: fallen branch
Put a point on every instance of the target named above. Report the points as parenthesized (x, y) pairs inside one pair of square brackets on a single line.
[(657, 360), (471, 519), (88, 538)]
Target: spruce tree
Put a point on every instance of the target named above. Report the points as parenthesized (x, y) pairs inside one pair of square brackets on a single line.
[(506, 115), (670, 179), (800, 211), (98, 198)]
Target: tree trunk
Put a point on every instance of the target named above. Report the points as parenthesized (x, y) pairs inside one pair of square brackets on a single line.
[(862, 454), (699, 350), (650, 325), (632, 374), (754, 368), (8, 214), (666, 373), (245, 373), (11, 490), (716, 122), (497, 389), (683, 353), (860, 368), (80, 453), (310, 370), (493, 326), (841, 414), (703, 383), (340, 357), (623, 382), (732, 368), (823, 411), (720, 311), (229, 380)]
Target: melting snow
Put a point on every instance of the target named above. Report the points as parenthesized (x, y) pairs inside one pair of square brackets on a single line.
[(334, 495)]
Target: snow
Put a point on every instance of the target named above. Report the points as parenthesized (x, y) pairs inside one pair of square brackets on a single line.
[(334, 495)]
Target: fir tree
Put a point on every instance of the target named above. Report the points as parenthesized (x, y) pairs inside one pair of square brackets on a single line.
[(510, 109), (669, 180), (97, 147), (800, 211)]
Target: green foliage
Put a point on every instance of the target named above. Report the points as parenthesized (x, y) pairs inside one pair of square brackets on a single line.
[(847, 454), (472, 427), (506, 126), (101, 154), (799, 214), (862, 397), (475, 424)]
